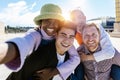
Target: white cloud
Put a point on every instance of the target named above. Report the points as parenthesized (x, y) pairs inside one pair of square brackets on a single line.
[(34, 4), (18, 14)]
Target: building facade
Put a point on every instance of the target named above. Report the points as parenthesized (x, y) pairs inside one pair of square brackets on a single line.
[(106, 22), (117, 19)]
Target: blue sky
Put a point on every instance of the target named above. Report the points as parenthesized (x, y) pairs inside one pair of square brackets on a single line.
[(22, 12)]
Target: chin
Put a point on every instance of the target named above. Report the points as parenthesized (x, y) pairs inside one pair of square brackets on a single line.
[(92, 50)]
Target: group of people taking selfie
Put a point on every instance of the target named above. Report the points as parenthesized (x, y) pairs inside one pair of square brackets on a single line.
[(60, 49)]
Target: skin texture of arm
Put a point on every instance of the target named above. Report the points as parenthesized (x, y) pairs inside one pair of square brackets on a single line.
[(25, 46), (8, 52)]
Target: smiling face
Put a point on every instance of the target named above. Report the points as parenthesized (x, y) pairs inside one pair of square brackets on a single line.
[(79, 19), (64, 39), (91, 37), (50, 26)]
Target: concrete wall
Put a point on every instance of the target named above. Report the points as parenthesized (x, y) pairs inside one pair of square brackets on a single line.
[(117, 8), (117, 19)]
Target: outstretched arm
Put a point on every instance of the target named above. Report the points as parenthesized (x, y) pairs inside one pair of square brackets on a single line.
[(24, 46), (8, 52)]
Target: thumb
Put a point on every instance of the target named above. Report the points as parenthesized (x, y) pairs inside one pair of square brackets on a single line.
[(40, 71)]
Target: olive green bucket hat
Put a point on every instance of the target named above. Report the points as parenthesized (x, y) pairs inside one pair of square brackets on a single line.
[(49, 11)]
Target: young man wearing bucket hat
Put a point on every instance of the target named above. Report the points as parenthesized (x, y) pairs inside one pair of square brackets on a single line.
[(15, 51)]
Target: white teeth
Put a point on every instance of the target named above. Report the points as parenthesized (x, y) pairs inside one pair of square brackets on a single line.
[(91, 42), (51, 30), (65, 45)]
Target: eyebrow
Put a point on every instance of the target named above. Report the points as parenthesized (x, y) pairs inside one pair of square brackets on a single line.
[(63, 33), (66, 34)]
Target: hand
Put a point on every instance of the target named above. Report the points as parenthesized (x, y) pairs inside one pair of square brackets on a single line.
[(46, 74), (83, 57)]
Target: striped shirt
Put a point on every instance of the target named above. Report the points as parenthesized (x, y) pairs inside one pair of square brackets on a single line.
[(99, 70)]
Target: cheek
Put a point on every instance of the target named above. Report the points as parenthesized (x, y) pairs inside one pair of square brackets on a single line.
[(59, 40), (84, 41), (98, 40), (72, 41), (44, 26), (56, 29), (58, 43), (55, 26)]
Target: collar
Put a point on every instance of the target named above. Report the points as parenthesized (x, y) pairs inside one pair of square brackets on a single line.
[(84, 49), (45, 36)]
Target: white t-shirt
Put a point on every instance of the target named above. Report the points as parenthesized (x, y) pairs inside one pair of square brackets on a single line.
[(61, 59)]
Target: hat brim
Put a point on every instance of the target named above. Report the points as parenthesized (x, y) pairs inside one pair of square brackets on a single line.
[(38, 18)]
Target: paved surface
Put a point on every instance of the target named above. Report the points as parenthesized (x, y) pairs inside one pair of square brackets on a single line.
[(116, 43), (4, 72)]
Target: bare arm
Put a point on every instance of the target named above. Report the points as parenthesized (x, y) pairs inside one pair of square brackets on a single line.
[(8, 52), (85, 57), (20, 48)]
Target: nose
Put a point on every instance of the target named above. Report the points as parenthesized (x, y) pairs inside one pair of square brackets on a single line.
[(90, 38), (68, 40), (51, 25)]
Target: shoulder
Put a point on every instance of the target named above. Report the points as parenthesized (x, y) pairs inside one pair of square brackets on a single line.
[(33, 32), (81, 47)]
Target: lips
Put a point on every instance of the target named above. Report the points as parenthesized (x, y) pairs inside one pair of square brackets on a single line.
[(91, 44), (50, 30), (65, 45)]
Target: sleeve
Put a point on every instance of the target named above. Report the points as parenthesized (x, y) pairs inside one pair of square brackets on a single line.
[(25, 46), (107, 50), (116, 58), (69, 66), (57, 77)]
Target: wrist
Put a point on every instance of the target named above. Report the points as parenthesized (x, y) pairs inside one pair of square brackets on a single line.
[(90, 57), (55, 71)]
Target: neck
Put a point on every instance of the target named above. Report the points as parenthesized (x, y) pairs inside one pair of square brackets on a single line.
[(60, 52)]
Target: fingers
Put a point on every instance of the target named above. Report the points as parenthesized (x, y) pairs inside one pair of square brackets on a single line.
[(38, 76), (44, 74), (40, 71), (80, 53)]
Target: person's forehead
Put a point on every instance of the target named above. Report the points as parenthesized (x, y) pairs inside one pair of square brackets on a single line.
[(90, 29), (65, 30), (78, 12), (78, 15)]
